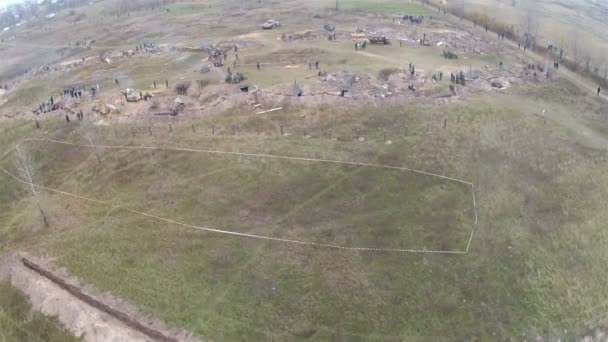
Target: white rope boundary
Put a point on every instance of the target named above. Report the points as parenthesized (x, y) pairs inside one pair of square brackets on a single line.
[(233, 233)]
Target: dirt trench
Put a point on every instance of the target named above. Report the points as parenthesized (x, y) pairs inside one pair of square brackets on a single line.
[(92, 317)]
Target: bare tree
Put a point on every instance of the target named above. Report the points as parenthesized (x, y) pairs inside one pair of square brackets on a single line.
[(530, 25), (575, 47), (587, 61), (462, 9), (604, 59), (88, 131), (563, 42), (456, 8), (24, 165)]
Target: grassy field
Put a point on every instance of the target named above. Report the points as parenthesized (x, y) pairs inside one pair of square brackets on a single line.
[(309, 201), (534, 267), (19, 323), (536, 153), (389, 7)]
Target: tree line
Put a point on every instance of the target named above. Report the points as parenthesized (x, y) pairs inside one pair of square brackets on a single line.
[(14, 13), (573, 56)]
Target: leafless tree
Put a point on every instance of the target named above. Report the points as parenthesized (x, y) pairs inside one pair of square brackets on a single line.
[(587, 61), (604, 59), (24, 165), (530, 25), (575, 48), (462, 9), (88, 132)]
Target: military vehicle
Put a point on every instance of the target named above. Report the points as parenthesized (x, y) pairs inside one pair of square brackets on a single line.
[(379, 40), (271, 24), (131, 95), (358, 34)]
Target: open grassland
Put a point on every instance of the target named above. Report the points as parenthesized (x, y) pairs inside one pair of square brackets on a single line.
[(536, 153), (535, 262), (19, 323), (389, 7), (344, 205)]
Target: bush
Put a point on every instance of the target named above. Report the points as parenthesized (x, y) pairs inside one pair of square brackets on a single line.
[(384, 74)]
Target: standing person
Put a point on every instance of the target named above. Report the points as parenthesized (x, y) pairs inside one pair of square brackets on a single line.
[(598, 91), (317, 65), (258, 65)]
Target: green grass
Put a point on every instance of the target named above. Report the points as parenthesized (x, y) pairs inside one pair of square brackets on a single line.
[(540, 228), (180, 10), (309, 201), (391, 7), (535, 267), (18, 323)]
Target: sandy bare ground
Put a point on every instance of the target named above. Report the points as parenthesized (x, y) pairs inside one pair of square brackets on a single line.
[(80, 318)]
